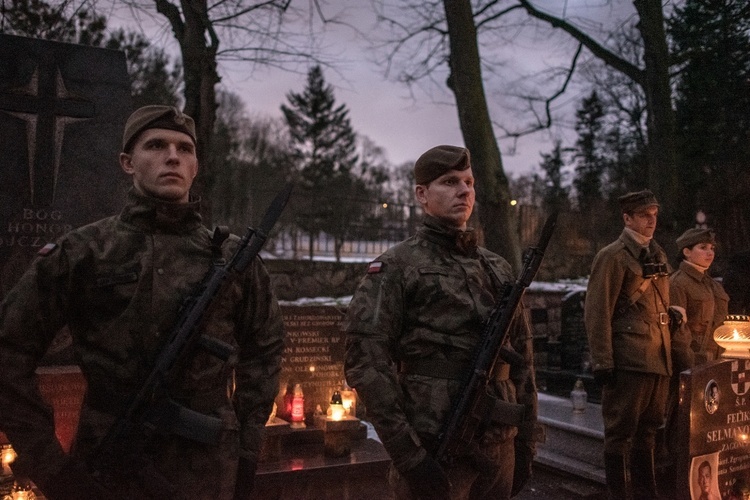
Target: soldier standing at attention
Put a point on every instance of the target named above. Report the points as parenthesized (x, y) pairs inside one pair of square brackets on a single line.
[(703, 298), (118, 285), (627, 324), (412, 328)]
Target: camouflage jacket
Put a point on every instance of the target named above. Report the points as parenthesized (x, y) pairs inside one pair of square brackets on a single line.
[(427, 299), (706, 304), (118, 285), (626, 324)]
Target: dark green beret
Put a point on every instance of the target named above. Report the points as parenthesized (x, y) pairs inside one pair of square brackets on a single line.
[(638, 200), (694, 236), (156, 116), (439, 160)]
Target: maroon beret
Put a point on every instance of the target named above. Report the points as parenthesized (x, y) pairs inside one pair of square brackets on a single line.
[(638, 200), (439, 160), (156, 116)]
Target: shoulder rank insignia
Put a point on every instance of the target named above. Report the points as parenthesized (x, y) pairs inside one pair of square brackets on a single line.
[(47, 249), (374, 267)]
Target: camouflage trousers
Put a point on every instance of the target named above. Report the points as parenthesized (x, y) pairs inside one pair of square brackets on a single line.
[(466, 480)]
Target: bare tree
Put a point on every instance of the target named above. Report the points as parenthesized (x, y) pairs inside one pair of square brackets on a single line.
[(652, 75), (435, 39), (210, 32)]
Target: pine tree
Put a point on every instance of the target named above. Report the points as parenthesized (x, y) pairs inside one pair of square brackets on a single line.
[(590, 165), (713, 113), (324, 146), (555, 196)]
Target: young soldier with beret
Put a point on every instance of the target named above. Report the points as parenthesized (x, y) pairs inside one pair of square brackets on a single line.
[(412, 328), (703, 298), (626, 314), (118, 285), (704, 304)]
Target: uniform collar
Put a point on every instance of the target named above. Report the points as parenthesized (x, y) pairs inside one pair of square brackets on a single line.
[(435, 231), (152, 214), (692, 270)]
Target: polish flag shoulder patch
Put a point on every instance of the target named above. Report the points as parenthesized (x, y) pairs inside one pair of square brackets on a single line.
[(375, 267), (47, 249)]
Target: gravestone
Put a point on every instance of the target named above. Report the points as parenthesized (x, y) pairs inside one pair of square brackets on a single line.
[(62, 111), (714, 431), (313, 356), (573, 341)]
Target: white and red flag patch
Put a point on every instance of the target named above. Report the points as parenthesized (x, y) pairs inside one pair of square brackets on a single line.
[(375, 267), (47, 249)]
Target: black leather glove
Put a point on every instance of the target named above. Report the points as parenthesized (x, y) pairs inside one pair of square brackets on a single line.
[(428, 480), (245, 479), (604, 377), (73, 482), (522, 469)]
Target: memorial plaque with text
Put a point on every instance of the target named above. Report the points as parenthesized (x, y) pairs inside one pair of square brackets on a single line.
[(714, 426), (314, 354), (62, 111)]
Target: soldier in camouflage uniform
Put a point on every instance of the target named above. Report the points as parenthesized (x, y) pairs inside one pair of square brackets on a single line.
[(626, 313), (412, 328), (118, 285)]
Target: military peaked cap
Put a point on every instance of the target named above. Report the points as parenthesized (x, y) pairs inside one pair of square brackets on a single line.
[(439, 160), (156, 116), (694, 236), (639, 200)]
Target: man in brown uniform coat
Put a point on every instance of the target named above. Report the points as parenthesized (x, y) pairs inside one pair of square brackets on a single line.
[(627, 323)]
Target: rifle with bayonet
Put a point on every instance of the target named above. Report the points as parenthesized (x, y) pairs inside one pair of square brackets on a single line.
[(151, 410), (476, 407)]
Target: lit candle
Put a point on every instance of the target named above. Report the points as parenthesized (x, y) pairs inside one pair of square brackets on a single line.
[(298, 408), (349, 399), (7, 456), (337, 406)]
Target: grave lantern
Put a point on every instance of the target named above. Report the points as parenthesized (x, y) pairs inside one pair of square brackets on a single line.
[(337, 406), (298, 408), (7, 457), (734, 336)]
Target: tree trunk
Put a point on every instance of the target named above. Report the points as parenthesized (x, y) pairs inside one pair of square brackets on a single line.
[(198, 46), (497, 217), (662, 148)]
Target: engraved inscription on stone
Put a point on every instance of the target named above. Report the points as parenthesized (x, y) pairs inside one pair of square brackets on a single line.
[(314, 353)]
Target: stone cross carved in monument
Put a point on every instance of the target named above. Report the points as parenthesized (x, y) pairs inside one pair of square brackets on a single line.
[(63, 107), (46, 106)]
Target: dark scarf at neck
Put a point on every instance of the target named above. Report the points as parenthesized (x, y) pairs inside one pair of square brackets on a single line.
[(152, 214), (464, 242)]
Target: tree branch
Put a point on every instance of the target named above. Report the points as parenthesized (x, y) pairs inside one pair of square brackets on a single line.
[(620, 64), (547, 103)]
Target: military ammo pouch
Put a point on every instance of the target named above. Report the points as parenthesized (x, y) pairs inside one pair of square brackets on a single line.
[(438, 368), (488, 409), (169, 416)]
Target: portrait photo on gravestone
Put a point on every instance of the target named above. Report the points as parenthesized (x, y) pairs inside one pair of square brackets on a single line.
[(713, 461)]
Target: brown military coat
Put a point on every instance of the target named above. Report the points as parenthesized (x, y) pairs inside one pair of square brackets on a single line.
[(706, 304), (118, 284), (626, 328), (426, 300)]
